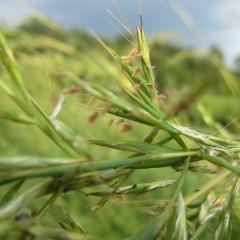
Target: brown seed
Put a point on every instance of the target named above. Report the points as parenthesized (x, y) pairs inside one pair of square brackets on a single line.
[(137, 72), (110, 122), (105, 108), (135, 87), (120, 121), (131, 56), (126, 128), (150, 84), (73, 89), (91, 101), (93, 117)]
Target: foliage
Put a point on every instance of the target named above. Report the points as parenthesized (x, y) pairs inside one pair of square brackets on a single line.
[(160, 162)]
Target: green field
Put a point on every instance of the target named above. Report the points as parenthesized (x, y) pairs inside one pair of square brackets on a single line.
[(102, 142)]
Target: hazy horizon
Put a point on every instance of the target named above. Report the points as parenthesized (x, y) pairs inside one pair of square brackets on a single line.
[(199, 24)]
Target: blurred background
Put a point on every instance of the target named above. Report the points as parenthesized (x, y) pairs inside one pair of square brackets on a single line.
[(193, 44), (196, 23)]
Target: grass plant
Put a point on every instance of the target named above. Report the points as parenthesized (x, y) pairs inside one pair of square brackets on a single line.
[(169, 144)]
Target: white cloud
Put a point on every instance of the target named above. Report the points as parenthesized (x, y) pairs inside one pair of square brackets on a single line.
[(10, 14), (227, 36)]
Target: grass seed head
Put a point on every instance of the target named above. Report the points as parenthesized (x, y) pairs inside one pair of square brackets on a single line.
[(93, 117), (120, 121), (134, 88), (110, 122), (137, 71), (91, 101), (72, 90), (105, 107), (126, 128), (134, 53)]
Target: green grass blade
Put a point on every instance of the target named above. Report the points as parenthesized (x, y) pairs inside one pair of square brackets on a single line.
[(10, 208), (139, 188), (11, 192), (132, 146), (224, 228), (79, 167)]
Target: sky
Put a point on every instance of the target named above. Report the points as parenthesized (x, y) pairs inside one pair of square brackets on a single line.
[(197, 23)]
